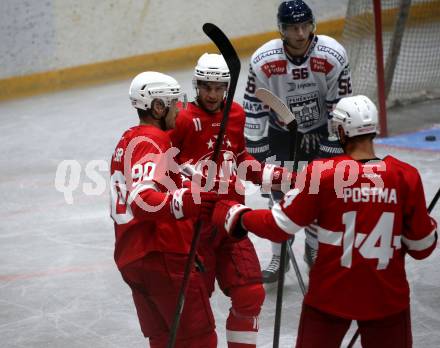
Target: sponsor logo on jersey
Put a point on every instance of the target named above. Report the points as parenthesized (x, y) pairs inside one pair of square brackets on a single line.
[(216, 124), (332, 52), (277, 67), (301, 85), (306, 108), (304, 85), (253, 107), (292, 86), (251, 126), (320, 65), (269, 53)]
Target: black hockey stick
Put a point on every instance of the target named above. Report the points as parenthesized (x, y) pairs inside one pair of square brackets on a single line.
[(430, 207), (434, 201), (227, 50), (296, 268), (283, 255), (287, 118)]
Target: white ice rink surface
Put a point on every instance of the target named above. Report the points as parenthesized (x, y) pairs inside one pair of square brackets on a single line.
[(59, 286)]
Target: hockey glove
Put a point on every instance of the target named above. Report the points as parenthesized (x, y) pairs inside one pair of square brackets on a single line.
[(275, 178), (310, 142), (183, 205), (227, 216)]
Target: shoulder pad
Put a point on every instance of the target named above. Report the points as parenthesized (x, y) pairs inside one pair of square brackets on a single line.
[(270, 49), (331, 49)]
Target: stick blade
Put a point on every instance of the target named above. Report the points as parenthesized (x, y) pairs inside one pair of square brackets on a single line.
[(230, 55), (225, 47), (276, 104)]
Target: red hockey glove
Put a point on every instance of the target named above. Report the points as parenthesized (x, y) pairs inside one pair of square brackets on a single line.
[(183, 205), (274, 177), (227, 216), (226, 189)]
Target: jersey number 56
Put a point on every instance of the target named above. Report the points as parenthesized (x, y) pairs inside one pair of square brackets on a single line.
[(344, 86)]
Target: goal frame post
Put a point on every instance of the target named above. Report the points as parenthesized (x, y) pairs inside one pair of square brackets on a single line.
[(380, 71)]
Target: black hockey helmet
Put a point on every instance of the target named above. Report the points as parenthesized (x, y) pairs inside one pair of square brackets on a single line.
[(293, 12)]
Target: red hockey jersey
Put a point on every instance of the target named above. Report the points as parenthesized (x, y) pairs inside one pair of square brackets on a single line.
[(367, 217), (195, 135), (143, 171)]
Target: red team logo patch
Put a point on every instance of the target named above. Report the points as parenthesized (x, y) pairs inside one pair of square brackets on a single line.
[(320, 65), (277, 67)]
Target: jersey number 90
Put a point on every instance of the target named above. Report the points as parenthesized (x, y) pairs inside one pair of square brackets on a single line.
[(121, 211)]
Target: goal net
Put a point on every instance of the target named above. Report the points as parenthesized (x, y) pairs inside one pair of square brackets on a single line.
[(411, 48)]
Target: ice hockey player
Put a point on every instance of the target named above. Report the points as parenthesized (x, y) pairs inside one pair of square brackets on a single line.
[(370, 213), (153, 219), (234, 265), (310, 73)]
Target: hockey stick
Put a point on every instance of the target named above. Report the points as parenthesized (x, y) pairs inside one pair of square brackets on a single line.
[(430, 207), (434, 201), (286, 117), (296, 268), (283, 254), (227, 50)]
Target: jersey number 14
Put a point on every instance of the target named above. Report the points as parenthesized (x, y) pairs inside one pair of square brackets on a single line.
[(376, 245)]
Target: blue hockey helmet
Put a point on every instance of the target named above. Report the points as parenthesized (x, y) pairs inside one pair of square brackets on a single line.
[(293, 12)]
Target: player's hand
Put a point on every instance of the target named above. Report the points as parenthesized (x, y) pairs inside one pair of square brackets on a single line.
[(186, 204), (276, 178), (227, 216), (207, 204), (226, 189)]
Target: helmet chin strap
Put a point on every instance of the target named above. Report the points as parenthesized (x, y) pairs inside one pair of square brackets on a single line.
[(285, 42), (158, 118), (162, 122), (342, 142)]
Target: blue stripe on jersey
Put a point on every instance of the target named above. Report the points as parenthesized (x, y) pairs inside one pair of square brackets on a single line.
[(252, 99), (256, 115)]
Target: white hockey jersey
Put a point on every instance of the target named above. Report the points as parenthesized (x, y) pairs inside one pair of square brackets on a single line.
[(309, 85)]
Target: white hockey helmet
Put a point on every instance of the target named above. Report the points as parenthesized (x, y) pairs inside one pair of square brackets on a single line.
[(211, 67), (357, 115), (151, 85)]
